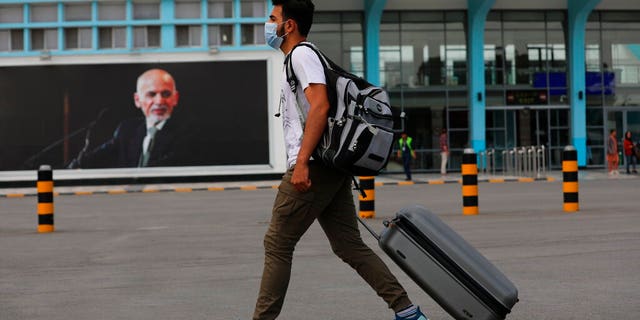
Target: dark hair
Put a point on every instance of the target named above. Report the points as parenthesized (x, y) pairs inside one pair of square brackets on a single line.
[(301, 11)]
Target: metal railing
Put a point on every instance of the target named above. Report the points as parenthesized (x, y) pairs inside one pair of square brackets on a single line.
[(525, 162), (531, 161)]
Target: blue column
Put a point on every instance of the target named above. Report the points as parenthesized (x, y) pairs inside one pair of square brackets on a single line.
[(129, 18), (578, 13), (372, 16), (167, 30), (477, 16), (26, 17), (237, 27), (95, 45), (61, 35), (204, 14)]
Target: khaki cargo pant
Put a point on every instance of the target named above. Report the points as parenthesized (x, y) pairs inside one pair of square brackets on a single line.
[(330, 201)]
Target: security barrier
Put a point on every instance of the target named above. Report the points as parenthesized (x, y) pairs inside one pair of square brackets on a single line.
[(487, 161), (469, 183), (570, 179), (45, 199), (367, 205), (525, 162)]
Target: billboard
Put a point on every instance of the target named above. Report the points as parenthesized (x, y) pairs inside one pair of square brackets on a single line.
[(85, 116)]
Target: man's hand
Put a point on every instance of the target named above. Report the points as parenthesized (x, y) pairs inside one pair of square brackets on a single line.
[(300, 178)]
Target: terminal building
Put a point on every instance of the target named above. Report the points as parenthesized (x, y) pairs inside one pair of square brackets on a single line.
[(497, 74)]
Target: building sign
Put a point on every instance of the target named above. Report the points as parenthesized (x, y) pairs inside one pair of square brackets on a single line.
[(526, 97)]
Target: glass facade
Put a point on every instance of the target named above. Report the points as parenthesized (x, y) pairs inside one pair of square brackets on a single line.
[(340, 37), (613, 79), (526, 82), (423, 66)]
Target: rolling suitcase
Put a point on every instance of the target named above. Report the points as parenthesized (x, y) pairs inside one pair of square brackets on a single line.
[(450, 270)]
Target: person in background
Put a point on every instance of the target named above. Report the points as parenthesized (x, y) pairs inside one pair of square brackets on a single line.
[(444, 151), (612, 153), (629, 152), (406, 153)]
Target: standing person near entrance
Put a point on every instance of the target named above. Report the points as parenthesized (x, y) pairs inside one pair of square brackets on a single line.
[(406, 152), (444, 151), (309, 190), (630, 155), (612, 153)]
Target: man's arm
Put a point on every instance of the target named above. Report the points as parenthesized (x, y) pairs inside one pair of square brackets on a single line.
[(316, 123)]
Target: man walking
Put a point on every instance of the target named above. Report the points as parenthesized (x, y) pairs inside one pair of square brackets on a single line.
[(308, 190)]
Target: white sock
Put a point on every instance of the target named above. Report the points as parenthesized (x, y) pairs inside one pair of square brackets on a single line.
[(408, 311)]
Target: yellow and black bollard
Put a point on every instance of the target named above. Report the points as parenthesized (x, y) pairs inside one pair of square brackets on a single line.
[(45, 199), (469, 182), (570, 179), (367, 205)]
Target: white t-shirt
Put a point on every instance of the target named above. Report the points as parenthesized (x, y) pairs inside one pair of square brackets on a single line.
[(308, 69)]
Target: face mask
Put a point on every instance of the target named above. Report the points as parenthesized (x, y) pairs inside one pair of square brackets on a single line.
[(271, 35)]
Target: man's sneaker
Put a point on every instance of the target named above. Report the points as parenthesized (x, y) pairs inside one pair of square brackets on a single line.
[(418, 315)]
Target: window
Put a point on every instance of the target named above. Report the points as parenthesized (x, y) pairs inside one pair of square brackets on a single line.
[(77, 12), (112, 10), (44, 39), (188, 36), (252, 34), (11, 40), (9, 14), (187, 9), (77, 38), (44, 13), (221, 35), (112, 37), (146, 37), (220, 9), (146, 10), (252, 8)]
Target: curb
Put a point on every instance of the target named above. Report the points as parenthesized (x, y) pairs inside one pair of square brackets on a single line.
[(263, 187)]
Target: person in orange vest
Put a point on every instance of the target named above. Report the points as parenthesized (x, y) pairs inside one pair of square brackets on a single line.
[(406, 152)]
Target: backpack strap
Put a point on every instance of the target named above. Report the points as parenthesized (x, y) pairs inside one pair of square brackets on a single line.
[(292, 80)]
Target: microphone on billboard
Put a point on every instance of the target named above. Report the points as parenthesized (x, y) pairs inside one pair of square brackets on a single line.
[(87, 136), (28, 164)]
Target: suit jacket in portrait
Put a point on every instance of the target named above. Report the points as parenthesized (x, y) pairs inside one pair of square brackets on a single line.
[(172, 146)]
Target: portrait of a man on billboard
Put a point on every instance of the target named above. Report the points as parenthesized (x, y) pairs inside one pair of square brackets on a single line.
[(134, 115)]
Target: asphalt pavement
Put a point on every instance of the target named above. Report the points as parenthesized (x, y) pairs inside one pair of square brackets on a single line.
[(197, 253)]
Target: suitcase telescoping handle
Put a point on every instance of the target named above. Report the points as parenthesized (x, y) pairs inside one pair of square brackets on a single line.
[(373, 233)]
